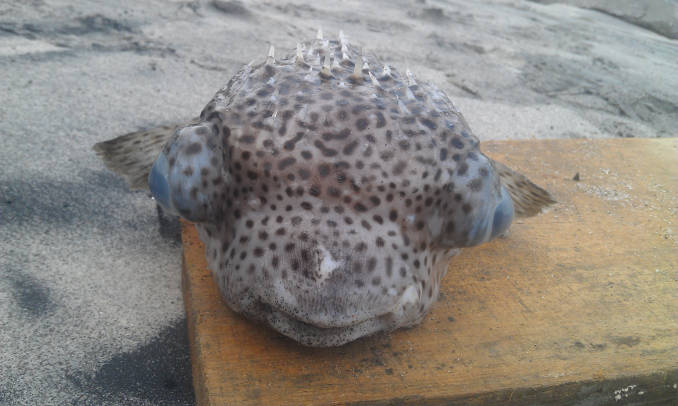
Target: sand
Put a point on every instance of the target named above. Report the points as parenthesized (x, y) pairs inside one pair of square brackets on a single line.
[(90, 303)]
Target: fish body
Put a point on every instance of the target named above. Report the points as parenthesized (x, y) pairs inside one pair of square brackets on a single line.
[(330, 190)]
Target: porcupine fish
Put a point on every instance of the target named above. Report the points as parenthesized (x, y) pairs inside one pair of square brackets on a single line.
[(330, 194)]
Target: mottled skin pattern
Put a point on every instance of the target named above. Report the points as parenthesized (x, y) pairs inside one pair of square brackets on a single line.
[(329, 196)]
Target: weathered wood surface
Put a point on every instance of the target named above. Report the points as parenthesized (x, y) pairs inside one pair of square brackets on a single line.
[(576, 305)]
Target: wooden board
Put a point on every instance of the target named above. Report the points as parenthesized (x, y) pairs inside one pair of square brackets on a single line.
[(576, 305)]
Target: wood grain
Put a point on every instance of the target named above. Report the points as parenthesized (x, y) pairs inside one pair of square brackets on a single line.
[(577, 304)]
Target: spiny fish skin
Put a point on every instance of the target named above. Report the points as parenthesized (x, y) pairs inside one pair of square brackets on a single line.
[(330, 191)]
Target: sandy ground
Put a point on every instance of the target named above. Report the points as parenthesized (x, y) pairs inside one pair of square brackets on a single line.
[(90, 303)]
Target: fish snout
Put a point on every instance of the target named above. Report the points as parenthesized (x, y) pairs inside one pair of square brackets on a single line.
[(184, 176)]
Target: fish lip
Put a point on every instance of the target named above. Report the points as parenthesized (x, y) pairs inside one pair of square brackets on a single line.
[(315, 335), (345, 322), (350, 320)]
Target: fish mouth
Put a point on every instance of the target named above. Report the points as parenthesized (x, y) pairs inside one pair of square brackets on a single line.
[(311, 335)]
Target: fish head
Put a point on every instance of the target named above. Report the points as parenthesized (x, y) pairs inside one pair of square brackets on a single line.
[(330, 196)]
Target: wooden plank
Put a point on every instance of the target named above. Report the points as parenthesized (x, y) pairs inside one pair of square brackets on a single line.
[(576, 304)]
